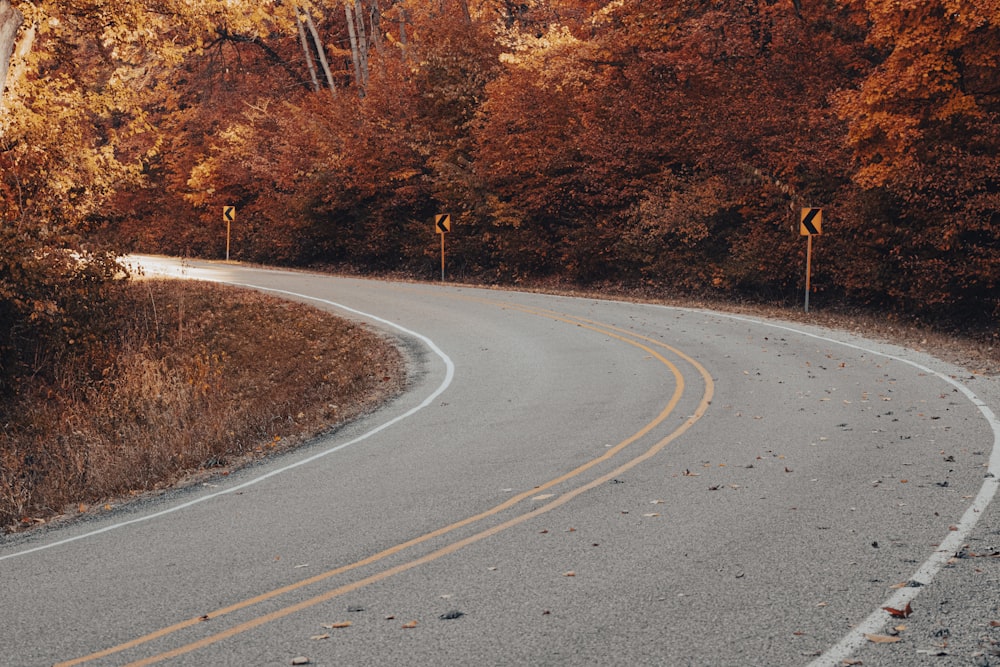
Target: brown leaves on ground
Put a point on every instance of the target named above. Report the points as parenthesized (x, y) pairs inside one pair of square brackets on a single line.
[(899, 613)]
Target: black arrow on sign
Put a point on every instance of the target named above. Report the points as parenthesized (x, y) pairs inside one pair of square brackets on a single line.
[(807, 221), (229, 213), (443, 223)]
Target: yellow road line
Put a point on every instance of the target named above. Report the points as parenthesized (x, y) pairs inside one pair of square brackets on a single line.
[(256, 622)]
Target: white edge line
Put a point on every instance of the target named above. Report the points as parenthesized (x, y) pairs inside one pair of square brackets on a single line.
[(948, 547), (449, 376)]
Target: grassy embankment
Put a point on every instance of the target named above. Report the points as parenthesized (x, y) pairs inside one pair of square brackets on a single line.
[(201, 377)]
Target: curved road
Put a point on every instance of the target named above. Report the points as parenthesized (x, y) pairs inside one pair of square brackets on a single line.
[(565, 482)]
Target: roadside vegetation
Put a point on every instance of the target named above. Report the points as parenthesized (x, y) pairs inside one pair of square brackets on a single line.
[(187, 377)]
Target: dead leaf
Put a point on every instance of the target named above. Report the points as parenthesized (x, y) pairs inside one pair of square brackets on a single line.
[(301, 660), (900, 628), (318, 637), (899, 613), (851, 662), (571, 573), (410, 625), (882, 639), (688, 473), (995, 624), (337, 625)]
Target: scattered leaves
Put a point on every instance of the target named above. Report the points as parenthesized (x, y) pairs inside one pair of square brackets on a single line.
[(899, 613)]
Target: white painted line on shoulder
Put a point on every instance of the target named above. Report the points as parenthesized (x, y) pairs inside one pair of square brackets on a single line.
[(948, 546)]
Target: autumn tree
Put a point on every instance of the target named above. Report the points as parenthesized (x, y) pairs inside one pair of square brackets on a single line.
[(925, 131)]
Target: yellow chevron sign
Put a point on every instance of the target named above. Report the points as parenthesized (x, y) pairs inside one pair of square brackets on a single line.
[(811, 222)]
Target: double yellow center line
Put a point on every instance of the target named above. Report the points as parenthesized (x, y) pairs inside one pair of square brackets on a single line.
[(644, 343)]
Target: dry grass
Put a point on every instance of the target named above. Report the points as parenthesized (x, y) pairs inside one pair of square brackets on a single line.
[(202, 377)]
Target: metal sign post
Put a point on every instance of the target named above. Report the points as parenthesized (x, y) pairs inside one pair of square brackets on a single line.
[(442, 225), (810, 224), (228, 215)]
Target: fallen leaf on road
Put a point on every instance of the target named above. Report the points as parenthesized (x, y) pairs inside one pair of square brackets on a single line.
[(318, 637), (899, 613), (301, 660), (337, 625), (688, 473), (882, 639), (995, 624), (571, 573), (410, 625), (451, 615)]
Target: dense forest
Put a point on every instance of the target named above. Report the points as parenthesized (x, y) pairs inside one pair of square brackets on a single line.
[(659, 144)]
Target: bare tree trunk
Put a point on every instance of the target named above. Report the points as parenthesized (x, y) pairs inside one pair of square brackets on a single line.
[(359, 13), (375, 21), (464, 6), (10, 21), (321, 51), (402, 26), (349, 13), (306, 51)]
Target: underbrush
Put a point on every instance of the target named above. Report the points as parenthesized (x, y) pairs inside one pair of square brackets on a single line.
[(198, 376)]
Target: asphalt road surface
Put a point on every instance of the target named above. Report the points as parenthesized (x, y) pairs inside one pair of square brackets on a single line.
[(565, 481)]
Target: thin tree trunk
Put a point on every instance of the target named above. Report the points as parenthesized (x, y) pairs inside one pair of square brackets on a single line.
[(306, 51), (10, 21), (321, 51), (375, 23), (464, 6), (349, 13), (359, 13), (402, 26)]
